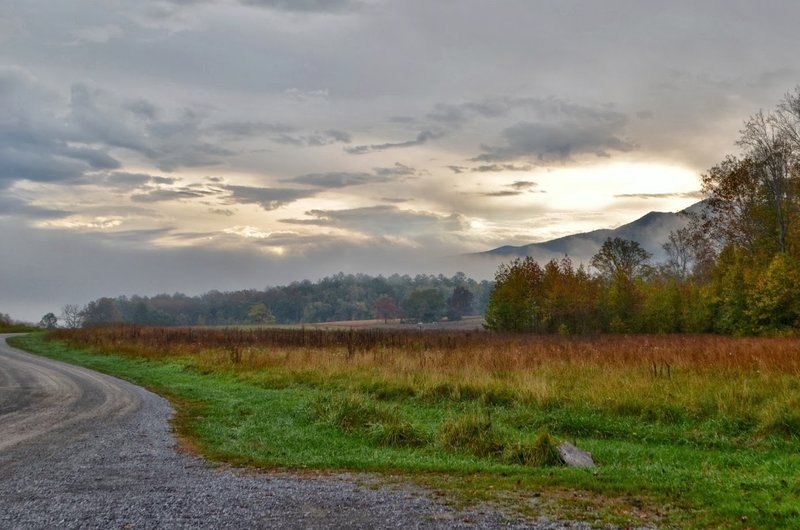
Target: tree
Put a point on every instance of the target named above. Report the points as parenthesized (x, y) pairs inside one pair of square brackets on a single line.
[(259, 314), (680, 253), (71, 316), (386, 308), (49, 321), (459, 303), (621, 256), (425, 305), (770, 148), (513, 303)]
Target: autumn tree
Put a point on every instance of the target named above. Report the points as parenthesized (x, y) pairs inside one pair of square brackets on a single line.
[(459, 303), (386, 309), (424, 305), (621, 256)]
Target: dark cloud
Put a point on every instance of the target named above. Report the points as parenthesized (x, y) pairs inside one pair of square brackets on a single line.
[(35, 144), (397, 170), (523, 184), (383, 220), (11, 205), (342, 179), (316, 139), (247, 129), (458, 169), (548, 142), (161, 195), (501, 193), (267, 198), (335, 179), (497, 168), (307, 6), (422, 138), (684, 195)]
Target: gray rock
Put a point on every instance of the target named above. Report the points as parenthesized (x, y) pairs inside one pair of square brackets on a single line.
[(574, 457)]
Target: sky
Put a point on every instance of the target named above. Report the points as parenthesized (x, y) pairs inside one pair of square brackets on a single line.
[(191, 145)]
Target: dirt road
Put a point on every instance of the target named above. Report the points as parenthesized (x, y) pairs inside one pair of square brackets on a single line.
[(79, 449)]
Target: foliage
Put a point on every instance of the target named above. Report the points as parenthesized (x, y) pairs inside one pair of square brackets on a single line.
[(424, 305), (734, 269), (621, 258), (335, 298), (49, 321)]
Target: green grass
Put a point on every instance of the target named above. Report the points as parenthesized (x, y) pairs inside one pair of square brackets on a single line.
[(663, 466)]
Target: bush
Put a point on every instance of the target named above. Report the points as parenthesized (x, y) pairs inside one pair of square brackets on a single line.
[(541, 452), (351, 412), (470, 433), (398, 433)]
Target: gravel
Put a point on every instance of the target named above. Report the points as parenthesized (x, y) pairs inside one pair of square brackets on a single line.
[(84, 450)]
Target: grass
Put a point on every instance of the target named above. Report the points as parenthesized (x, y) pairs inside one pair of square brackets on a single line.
[(687, 431)]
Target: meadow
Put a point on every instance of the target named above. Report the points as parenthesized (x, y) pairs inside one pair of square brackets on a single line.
[(687, 431)]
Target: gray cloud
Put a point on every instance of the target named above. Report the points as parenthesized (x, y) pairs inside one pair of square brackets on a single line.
[(383, 220), (161, 195), (523, 184), (316, 139), (497, 168), (34, 144), (554, 142), (14, 206), (422, 138), (307, 6), (342, 179), (267, 198), (685, 195)]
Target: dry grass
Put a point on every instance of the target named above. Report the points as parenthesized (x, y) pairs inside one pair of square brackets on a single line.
[(750, 380)]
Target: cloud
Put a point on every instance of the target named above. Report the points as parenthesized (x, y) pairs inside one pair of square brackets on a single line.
[(35, 144), (383, 220), (268, 198), (162, 195), (698, 194), (343, 179), (548, 142), (458, 169), (497, 168), (14, 206), (523, 184), (422, 138), (316, 139), (97, 34), (247, 129), (307, 6)]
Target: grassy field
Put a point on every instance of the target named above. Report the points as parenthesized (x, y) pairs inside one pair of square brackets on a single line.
[(687, 431)]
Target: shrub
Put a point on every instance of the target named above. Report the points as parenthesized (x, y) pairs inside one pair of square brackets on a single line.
[(471, 433), (398, 433)]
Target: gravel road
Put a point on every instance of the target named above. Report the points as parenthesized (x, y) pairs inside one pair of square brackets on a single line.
[(79, 449)]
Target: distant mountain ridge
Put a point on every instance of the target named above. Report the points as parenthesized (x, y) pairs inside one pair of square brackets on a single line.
[(650, 231)]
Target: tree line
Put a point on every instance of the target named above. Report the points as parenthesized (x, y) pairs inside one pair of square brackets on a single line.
[(425, 298), (734, 269)]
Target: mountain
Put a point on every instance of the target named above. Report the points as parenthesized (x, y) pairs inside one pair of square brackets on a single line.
[(650, 231)]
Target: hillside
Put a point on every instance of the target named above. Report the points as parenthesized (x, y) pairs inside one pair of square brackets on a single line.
[(650, 231)]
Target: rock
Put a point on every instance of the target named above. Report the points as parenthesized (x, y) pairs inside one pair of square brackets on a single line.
[(574, 457)]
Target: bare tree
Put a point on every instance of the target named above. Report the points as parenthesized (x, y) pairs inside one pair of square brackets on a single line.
[(769, 146), (72, 316)]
